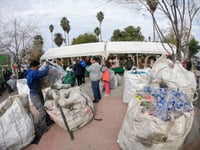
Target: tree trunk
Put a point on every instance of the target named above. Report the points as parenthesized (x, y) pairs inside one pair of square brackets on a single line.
[(52, 39), (100, 32)]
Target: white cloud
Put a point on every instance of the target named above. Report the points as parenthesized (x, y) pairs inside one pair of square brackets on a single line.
[(82, 16)]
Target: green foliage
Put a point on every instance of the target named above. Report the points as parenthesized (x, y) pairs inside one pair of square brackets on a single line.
[(51, 28), (38, 40), (58, 39), (4, 60), (130, 33), (194, 47), (100, 16), (66, 28), (169, 38), (37, 51), (97, 31), (65, 24), (152, 5), (84, 38)]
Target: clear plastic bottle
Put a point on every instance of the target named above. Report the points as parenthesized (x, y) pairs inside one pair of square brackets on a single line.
[(161, 110), (184, 102)]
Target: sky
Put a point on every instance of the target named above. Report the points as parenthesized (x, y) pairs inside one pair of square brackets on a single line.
[(82, 17)]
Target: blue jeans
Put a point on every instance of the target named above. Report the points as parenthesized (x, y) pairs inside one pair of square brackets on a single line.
[(96, 90)]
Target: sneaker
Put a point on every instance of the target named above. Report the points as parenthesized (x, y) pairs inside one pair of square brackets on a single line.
[(95, 101), (106, 94), (36, 140), (45, 129), (50, 122)]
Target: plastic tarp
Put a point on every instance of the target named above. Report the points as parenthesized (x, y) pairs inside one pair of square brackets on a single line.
[(16, 123), (88, 49)]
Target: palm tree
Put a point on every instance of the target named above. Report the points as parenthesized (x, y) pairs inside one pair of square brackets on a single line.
[(100, 17), (97, 31), (58, 39), (66, 28), (37, 47), (51, 28), (38, 39), (152, 6)]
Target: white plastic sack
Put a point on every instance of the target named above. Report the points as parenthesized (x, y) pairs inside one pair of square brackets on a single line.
[(135, 82), (12, 83), (55, 75), (144, 132), (119, 79), (76, 105), (113, 79), (101, 86), (113, 82), (16, 123), (174, 75), (23, 88)]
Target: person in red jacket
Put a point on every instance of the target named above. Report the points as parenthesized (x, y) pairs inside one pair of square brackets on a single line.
[(105, 77)]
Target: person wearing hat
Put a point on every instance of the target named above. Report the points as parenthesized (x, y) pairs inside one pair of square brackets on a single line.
[(33, 76)]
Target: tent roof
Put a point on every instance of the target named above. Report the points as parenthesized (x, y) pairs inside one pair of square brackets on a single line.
[(87, 49), (104, 49), (137, 47)]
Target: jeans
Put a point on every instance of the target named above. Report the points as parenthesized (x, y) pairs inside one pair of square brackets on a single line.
[(96, 90)]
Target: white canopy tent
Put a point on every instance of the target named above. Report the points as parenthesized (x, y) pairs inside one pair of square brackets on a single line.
[(137, 47), (105, 48), (87, 49)]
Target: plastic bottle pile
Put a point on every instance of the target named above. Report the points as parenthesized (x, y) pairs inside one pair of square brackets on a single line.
[(160, 102)]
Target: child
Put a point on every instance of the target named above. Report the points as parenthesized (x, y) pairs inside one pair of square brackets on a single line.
[(105, 77)]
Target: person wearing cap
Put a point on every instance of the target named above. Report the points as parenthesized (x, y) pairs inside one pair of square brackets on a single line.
[(95, 74), (33, 76)]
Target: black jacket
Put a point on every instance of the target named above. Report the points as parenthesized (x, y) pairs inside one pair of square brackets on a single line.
[(78, 69)]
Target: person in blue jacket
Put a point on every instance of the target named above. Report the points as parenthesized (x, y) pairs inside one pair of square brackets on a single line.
[(33, 76)]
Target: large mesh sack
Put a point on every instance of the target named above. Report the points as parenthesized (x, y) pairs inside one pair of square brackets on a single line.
[(76, 105), (16, 123), (146, 132), (174, 75), (23, 88)]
